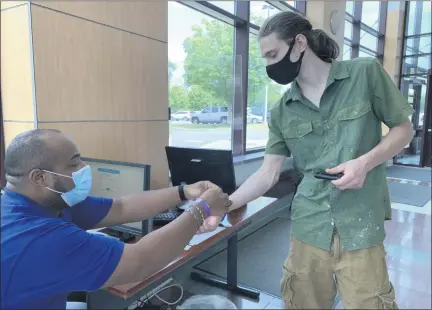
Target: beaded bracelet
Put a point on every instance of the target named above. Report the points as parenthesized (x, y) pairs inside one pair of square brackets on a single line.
[(200, 218)]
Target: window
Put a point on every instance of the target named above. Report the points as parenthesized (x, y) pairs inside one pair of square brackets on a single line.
[(200, 52), (418, 45), (204, 74), (416, 65), (418, 17), (260, 11), (365, 54), (348, 30), (368, 40), (416, 62), (226, 5), (349, 8), (371, 13), (346, 52), (364, 37)]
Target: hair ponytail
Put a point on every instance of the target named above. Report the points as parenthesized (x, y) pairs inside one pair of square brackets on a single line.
[(288, 24), (322, 45)]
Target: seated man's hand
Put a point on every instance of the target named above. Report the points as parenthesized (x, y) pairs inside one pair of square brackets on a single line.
[(195, 190), (210, 224)]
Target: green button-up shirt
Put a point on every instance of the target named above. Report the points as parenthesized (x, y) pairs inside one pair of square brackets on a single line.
[(359, 96)]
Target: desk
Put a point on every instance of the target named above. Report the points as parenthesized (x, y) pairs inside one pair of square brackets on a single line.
[(121, 296)]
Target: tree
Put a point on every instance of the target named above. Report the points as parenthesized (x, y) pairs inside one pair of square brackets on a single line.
[(199, 98), (171, 68), (178, 98), (209, 60), (209, 65)]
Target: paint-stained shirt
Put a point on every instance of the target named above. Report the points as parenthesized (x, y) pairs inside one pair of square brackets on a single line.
[(358, 97)]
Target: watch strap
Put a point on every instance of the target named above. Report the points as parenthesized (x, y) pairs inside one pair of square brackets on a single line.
[(182, 193)]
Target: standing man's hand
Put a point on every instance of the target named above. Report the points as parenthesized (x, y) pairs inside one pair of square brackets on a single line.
[(195, 190), (354, 171), (210, 224)]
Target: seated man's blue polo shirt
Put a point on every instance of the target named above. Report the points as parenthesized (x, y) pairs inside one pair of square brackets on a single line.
[(44, 257)]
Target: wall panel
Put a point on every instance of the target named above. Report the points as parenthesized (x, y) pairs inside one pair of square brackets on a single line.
[(16, 73), (12, 129), (142, 17), (96, 72), (140, 142)]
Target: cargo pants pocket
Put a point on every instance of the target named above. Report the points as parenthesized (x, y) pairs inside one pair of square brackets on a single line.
[(387, 298), (286, 290)]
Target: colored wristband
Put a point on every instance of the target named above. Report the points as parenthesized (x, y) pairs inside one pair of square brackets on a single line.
[(205, 206)]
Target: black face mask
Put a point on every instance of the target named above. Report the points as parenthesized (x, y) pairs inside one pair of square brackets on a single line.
[(285, 71)]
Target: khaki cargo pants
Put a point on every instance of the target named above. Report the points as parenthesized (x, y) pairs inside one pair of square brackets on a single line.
[(312, 276)]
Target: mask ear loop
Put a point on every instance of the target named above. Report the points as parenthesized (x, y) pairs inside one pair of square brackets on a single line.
[(55, 173), (62, 175), (291, 47)]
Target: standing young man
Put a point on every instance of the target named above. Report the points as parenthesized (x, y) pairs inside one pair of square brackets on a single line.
[(330, 121)]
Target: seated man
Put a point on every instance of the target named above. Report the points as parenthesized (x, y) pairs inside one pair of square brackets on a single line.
[(46, 250)]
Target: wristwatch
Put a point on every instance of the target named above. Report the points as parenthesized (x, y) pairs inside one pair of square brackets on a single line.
[(182, 193)]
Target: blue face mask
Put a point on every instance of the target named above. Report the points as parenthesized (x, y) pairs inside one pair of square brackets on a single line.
[(83, 182)]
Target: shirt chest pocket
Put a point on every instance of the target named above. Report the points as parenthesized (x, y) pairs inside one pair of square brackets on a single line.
[(354, 121), (355, 111), (300, 140)]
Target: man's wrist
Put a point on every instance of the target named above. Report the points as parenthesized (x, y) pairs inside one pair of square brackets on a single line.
[(204, 205), (367, 162), (182, 192)]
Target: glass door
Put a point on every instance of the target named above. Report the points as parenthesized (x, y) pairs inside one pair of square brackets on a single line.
[(426, 154), (415, 90)]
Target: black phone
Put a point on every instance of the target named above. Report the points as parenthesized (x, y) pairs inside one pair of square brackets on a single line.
[(327, 176)]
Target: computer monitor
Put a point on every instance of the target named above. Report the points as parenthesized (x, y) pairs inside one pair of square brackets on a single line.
[(114, 179), (189, 165)]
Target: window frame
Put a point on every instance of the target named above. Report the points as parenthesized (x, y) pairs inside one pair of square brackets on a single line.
[(240, 20), (358, 26)]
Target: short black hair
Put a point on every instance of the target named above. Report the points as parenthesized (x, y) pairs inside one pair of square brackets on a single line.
[(28, 151)]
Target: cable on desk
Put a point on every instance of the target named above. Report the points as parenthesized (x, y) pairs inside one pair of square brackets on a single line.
[(155, 294), (145, 300)]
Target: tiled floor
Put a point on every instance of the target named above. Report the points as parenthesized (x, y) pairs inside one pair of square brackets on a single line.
[(408, 245)]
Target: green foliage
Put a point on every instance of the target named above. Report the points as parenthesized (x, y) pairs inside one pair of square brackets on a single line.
[(209, 66), (171, 68)]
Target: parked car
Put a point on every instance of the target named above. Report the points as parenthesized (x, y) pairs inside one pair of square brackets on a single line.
[(210, 115), (254, 119), (259, 111), (181, 116)]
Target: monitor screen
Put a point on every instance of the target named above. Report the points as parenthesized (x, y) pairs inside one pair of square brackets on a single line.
[(113, 179), (188, 166)]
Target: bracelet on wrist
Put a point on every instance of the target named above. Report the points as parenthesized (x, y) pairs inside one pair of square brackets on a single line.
[(204, 205), (194, 210)]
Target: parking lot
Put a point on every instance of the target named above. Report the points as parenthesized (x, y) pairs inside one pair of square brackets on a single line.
[(214, 136)]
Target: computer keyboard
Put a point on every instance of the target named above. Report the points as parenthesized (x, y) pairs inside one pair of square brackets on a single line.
[(166, 217)]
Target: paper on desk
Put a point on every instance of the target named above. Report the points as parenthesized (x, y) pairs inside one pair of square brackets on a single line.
[(197, 239)]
